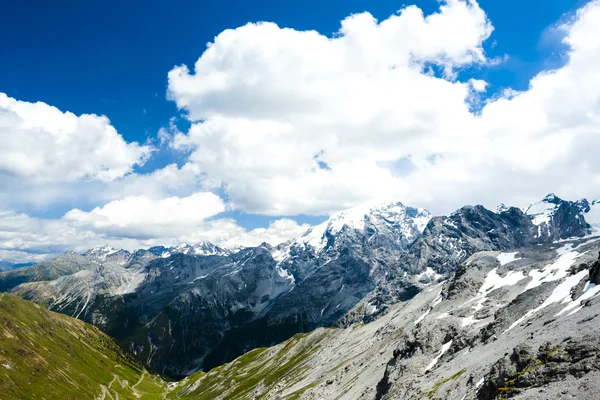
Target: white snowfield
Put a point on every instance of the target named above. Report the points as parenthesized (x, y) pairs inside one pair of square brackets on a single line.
[(541, 212)]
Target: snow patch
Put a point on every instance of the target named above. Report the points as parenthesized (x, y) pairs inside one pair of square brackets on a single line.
[(283, 273), (555, 271), (429, 273), (561, 293), (506, 258), (541, 212), (470, 320), (437, 301), (492, 282), (445, 348), (197, 279), (479, 383), (422, 317), (590, 291)]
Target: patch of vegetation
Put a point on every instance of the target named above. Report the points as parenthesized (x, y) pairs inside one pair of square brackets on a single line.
[(533, 363), (442, 382)]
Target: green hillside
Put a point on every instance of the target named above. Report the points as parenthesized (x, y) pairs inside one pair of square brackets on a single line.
[(45, 355)]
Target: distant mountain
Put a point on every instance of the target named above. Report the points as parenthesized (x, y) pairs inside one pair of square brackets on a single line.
[(62, 265), (6, 266), (107, 253), (199, 249), (182, 307)]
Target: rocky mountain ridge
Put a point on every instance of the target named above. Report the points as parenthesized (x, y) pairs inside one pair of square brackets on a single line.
[(181, 311)]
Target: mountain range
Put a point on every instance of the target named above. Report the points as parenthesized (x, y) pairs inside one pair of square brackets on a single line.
[(367, 271)]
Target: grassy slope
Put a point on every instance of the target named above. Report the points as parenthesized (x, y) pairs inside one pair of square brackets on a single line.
[(45, 355), (257, 374)]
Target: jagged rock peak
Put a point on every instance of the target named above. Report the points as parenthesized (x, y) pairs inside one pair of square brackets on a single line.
[(102, 252), (203, 248), (409, 221), (556, 218), (501, 208)]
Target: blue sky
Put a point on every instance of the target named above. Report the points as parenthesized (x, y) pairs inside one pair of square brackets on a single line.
[(113, 58)]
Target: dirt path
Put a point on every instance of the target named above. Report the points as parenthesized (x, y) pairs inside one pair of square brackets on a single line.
[(106, 392), (135, 392)]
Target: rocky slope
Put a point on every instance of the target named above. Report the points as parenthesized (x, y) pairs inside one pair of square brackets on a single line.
[(520, 324)]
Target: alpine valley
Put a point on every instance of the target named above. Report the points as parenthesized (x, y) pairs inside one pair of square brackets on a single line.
[(382, 301)]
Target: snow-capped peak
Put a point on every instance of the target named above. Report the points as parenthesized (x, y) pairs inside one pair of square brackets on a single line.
[(100, 252), (409, 221), (198, 249), (542, 211), (107, 253)]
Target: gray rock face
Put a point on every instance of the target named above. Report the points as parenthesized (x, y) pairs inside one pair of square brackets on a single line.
[(520, 324), (527, 368), (557, 219), (595, 272), (505, 325)]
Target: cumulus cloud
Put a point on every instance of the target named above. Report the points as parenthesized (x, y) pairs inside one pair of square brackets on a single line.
[(296, 122), (141, 216), (24, 238), (40, 143), (290, 122)]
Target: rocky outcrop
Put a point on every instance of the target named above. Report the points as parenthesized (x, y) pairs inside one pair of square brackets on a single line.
[(525, 368), (595, 272)]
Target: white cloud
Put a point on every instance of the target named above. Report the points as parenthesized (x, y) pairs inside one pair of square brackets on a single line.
[(295, 122), (155, 222), (273, 103), (228, 233), (478, 85), (289, 122), (141, 216), (43, 144)]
